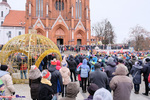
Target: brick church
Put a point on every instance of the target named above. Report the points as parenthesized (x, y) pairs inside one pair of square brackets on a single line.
[(65, 22)]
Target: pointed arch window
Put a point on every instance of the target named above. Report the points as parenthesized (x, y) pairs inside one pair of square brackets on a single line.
[(59, 5), (78, 9), (39, 8)]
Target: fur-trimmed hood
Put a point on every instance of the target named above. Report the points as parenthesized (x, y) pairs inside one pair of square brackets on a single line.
[(34, 74), (121, 70)]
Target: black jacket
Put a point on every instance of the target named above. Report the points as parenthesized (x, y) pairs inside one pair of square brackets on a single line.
[(72, 64), (45, 92), (109, 69), (146, 70), (136, 74), (99, 78), (56, 76), (34, 85)]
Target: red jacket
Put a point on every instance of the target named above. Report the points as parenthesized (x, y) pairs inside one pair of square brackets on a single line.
[(149, 78), (23, 67), (79, 77)]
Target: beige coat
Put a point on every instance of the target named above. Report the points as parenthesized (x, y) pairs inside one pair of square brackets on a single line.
[(7, 80), (65, 73), (121, 84)]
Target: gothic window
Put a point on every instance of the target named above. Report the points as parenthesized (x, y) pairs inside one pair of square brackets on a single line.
[(39, 8), (59, 5), (1, 13), (78, 9)]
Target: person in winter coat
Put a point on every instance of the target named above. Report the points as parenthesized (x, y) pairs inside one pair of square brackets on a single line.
[(23, 70), (34, 81), (56, 78), (65, 73), (136, 72), (79, 77), (146, 71), (84, 69), (72, 91), (58, 67), (92, 89), (98, 77), (93, 62), (109, 69), (45, 89), (121, 84), (72, 66), (7, 80), (102, 94)]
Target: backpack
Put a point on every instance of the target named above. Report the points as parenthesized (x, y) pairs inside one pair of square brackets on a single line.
[(84, 72)]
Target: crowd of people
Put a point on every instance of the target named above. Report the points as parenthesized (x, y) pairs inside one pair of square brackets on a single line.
[(78, 48), (98, 74)]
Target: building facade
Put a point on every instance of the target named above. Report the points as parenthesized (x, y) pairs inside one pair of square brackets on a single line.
[(12, 22), (65, 22)]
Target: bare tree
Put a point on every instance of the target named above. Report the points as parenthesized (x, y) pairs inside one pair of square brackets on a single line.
[(139, 36), (104, 32)]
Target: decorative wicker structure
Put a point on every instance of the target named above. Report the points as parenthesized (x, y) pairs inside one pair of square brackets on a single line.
[(33, 46)]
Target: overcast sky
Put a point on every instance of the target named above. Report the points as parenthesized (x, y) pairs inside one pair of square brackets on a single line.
[(123, 14)]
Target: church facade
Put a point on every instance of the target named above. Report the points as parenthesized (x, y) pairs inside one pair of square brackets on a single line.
[(65, 22)]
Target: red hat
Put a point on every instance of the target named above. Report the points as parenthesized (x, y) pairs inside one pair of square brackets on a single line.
[(54, 62)]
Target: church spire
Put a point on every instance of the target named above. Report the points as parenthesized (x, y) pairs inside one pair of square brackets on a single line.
[(5, 0)]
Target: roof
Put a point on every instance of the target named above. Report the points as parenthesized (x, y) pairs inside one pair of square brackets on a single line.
[(15, 18), (5, 3)]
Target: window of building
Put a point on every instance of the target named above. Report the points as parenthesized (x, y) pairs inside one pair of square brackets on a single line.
[(1, 13), (19, 32), (59, 5), (9, 34), (1, 22), (78, 9), (39, 8)]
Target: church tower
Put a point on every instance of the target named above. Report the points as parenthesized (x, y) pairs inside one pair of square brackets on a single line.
[(65, 22)]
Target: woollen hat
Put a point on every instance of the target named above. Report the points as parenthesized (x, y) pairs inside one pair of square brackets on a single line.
[(33, 67), (46, 74), (92, 88), (1, 83), (4, 67)]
